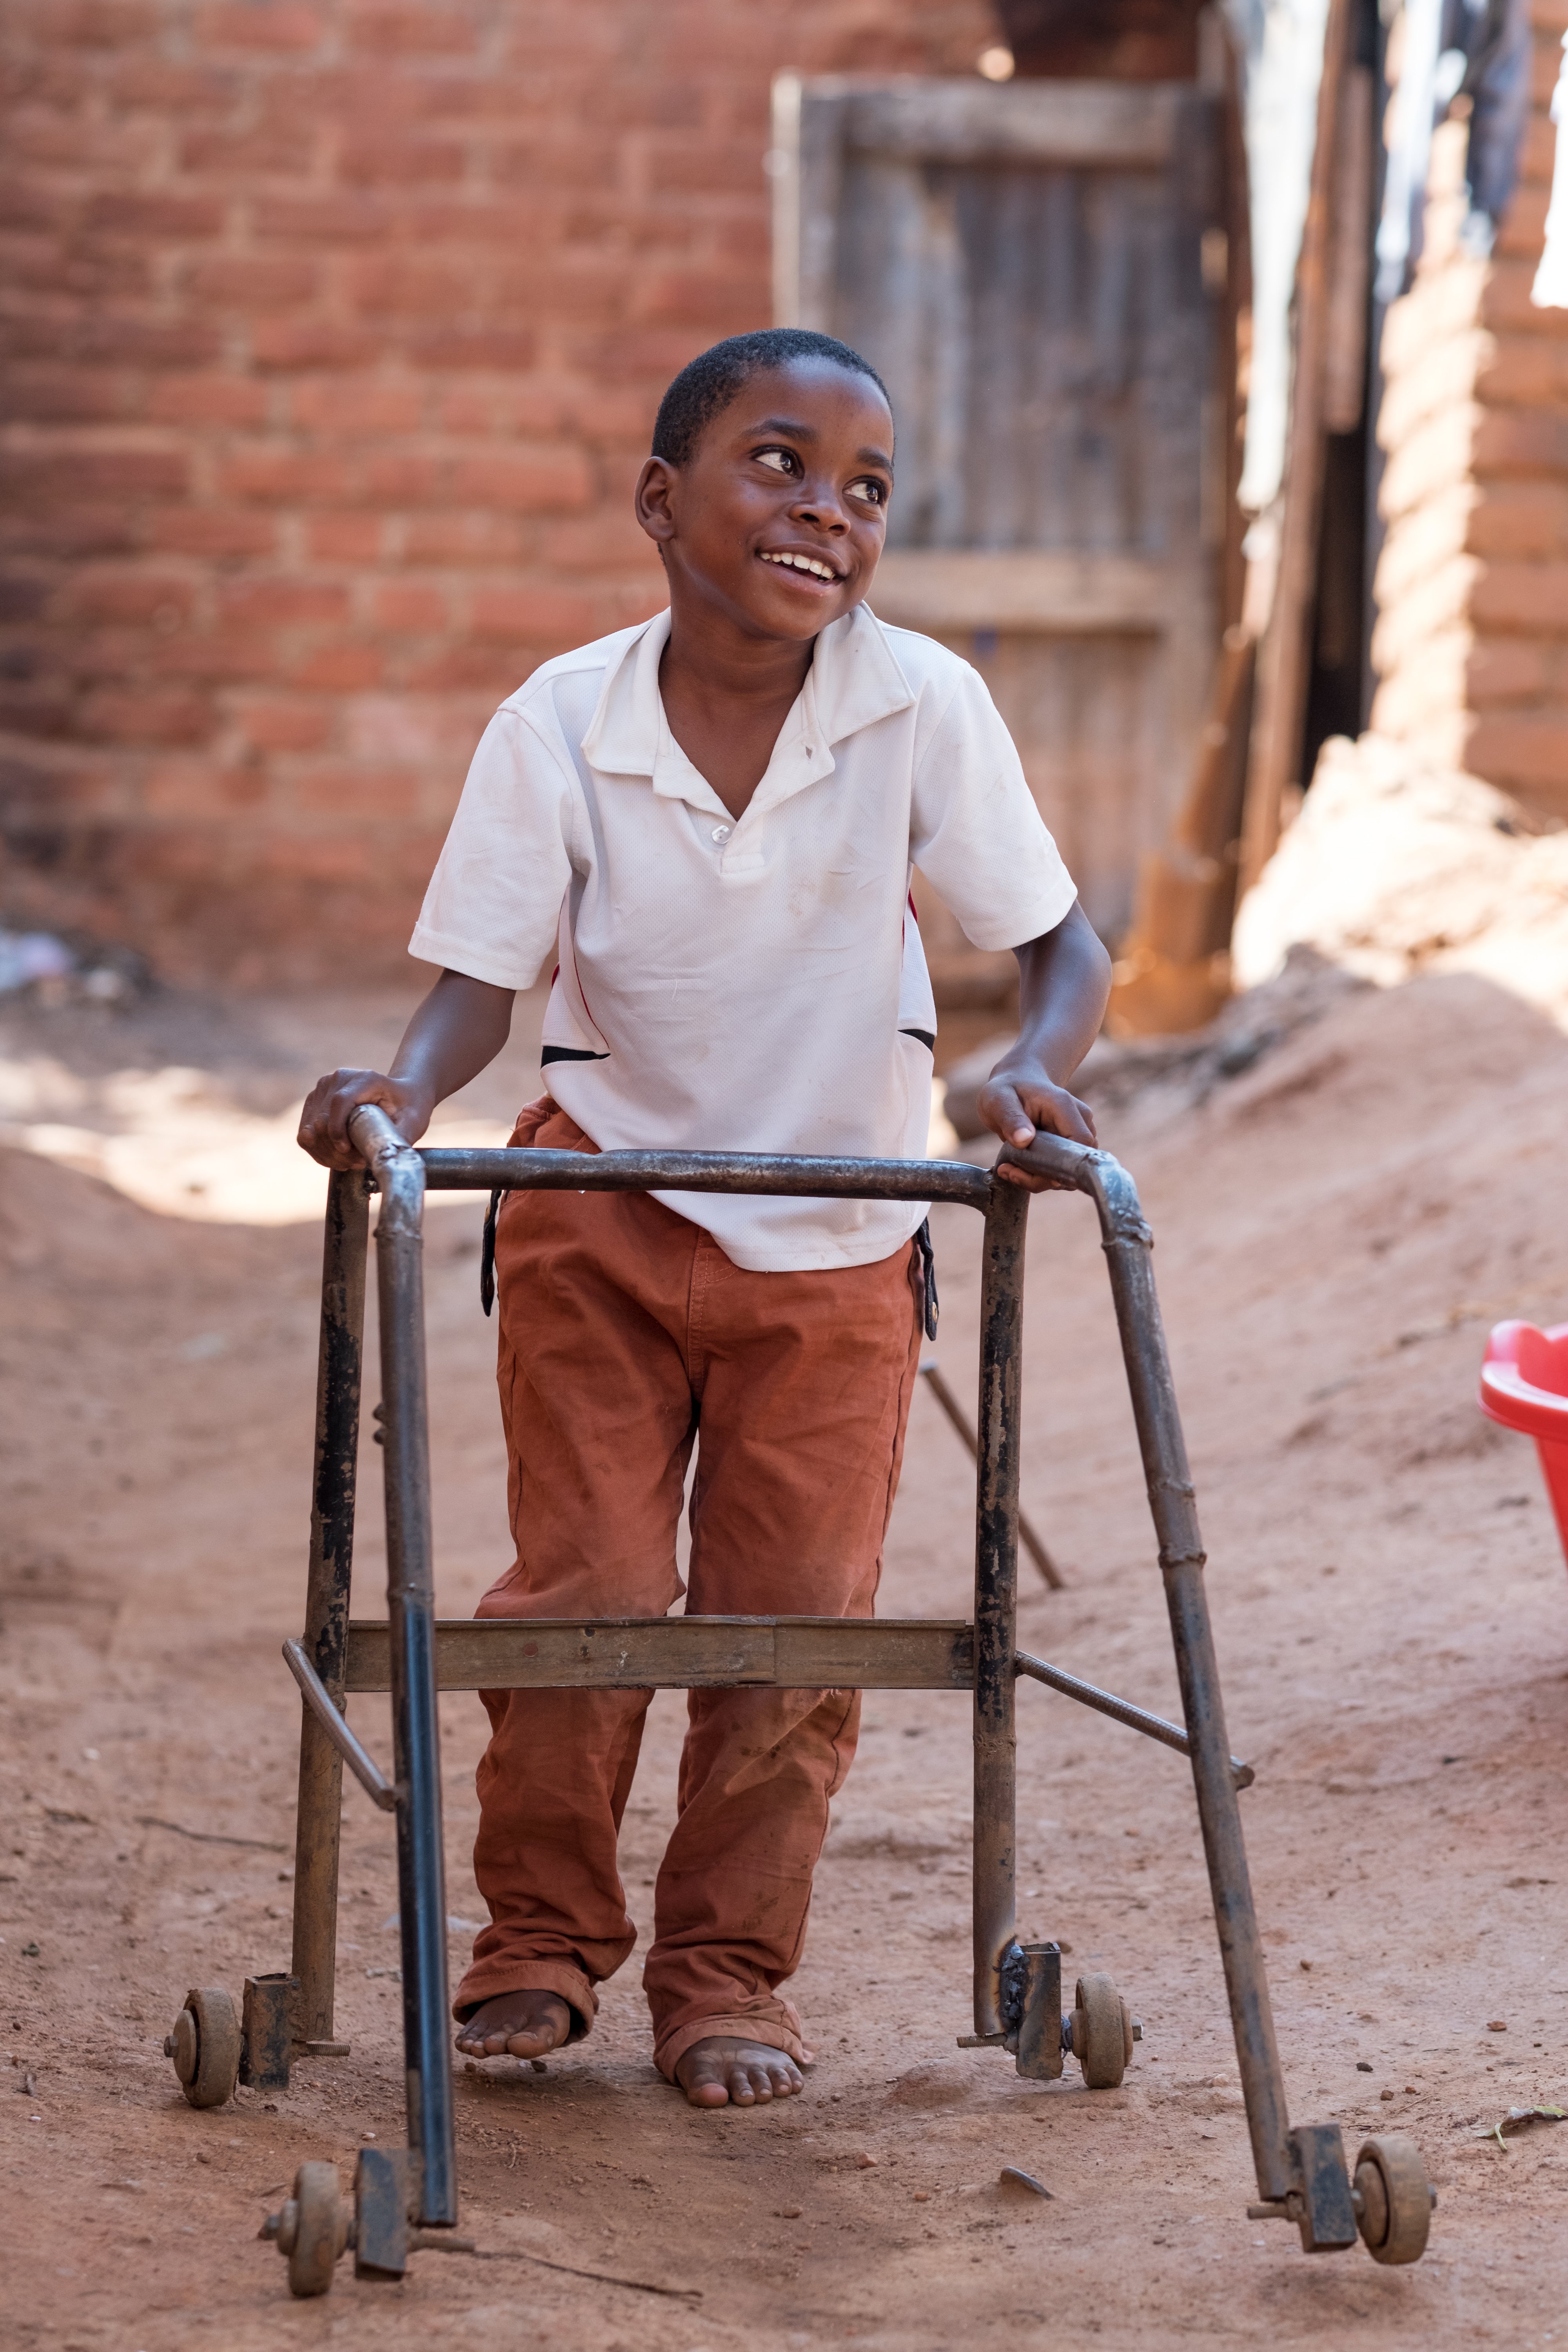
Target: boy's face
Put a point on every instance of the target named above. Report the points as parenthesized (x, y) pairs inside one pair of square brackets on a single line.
[(778, 516)]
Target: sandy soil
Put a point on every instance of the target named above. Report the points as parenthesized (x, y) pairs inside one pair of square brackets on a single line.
[(1337, 1227)]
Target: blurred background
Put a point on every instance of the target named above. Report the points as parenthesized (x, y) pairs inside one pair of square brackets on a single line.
[(334, 332)]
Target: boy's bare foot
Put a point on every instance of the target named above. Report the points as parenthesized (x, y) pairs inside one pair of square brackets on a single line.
[(516, 2024), (724, 2070)]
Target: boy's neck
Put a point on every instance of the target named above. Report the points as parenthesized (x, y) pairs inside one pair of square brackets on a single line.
[(726, 693), (711, 653)]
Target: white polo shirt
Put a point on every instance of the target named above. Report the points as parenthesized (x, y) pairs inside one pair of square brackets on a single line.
[(754, 984)]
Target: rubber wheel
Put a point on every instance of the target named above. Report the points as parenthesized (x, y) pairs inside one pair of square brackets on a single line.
[(204, 2046), (320, 2230), (1101, 2033), (1394, 2199)]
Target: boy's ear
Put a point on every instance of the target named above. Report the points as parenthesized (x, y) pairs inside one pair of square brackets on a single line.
[(652, 497)]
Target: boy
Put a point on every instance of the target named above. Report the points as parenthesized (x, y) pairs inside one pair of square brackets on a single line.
[(713, 818)]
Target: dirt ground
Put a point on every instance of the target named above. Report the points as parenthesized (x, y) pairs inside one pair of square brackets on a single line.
[(1337, 1227)]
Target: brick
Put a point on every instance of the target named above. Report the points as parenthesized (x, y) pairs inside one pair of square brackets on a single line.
[(214, 655), (22, 598), (377, 793), (339, 669), (702, 166), (281, 26), (281, 149), (1521, 441), (410, 32), (193, 789), (475, 668), (400, 479), (39, 476), (291, 343), (316, 857), (145, 595), (1530, 597), (498, 348), (1505, 669), (34, 393), (1514, 751), (130, 717), (117, 339), (334, 219), (281, 602), (208, 399), (102, 23), (544, 618), (214, 532), (1519, 370), (401, 162), (406, 288), (280, 476), (68, 529), (479, 539), (345, 537), (285, 722), (130, 214), (1518, 519), (359, 404), (409, 608), (544, 481), (41, 707), (407, 730), (252, 283), (612, 541)]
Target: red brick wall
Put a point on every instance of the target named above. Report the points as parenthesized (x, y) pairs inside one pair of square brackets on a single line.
[(333, 333), (1471, 641)]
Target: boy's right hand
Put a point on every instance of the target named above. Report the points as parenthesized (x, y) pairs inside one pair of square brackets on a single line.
[(324, 1121)]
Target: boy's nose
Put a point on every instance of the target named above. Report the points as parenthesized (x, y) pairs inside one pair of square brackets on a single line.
[(821, 507)]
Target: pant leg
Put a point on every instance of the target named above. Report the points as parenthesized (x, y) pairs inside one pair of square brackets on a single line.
[(595, 1396), (804, 1382)]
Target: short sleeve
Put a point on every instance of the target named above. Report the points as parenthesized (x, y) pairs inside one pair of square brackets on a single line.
[(975, 832), (494, 902)]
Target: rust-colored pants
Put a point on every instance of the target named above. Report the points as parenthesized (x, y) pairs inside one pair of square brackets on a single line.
[(623, 1328)]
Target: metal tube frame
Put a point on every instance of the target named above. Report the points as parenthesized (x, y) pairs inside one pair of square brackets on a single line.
[(1299, 2173)]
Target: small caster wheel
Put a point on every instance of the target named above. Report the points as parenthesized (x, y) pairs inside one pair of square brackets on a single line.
[(1394, 2200), (1101, 2033), (313, 2229), (206, 2046)]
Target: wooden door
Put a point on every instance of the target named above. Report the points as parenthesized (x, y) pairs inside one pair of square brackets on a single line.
[(1025, 265)]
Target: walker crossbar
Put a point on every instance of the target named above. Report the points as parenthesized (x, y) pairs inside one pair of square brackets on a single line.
[(1302, 2174)]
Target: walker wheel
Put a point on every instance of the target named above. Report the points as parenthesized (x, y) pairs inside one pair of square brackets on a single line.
[(1394, 2200), (313, 2229), (1101, 2033), (204, 2046)]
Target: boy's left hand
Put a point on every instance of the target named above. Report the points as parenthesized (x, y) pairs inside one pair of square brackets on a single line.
[(1021, 1096)]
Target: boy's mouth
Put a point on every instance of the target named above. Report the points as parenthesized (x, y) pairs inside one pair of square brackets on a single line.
[(813, 566)]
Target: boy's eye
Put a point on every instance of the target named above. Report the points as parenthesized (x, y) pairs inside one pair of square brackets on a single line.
[(871, 487), (780, 461)]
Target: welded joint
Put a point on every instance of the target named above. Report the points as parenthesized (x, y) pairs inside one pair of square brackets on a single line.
[(396, 1169), (318, 1698), (1170, 1561)]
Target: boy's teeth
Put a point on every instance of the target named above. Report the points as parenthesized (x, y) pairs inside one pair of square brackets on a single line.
[(803, 563)]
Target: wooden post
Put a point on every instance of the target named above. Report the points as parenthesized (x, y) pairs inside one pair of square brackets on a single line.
[(1282, 662)]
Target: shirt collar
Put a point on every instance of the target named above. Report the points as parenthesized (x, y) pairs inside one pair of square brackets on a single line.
[(854, 681)]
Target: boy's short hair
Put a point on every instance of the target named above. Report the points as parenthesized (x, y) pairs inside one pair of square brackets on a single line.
[(706, 385)]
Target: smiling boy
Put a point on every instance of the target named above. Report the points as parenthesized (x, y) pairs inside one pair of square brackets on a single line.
[(713, 818)]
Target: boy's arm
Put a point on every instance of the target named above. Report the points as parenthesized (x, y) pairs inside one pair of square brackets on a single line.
[(1064, 985), (459, 1029)]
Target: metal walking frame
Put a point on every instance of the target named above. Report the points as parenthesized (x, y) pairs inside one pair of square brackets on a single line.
[(404, 2200)]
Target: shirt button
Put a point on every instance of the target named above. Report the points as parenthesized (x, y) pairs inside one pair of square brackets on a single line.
[(721, 833)]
